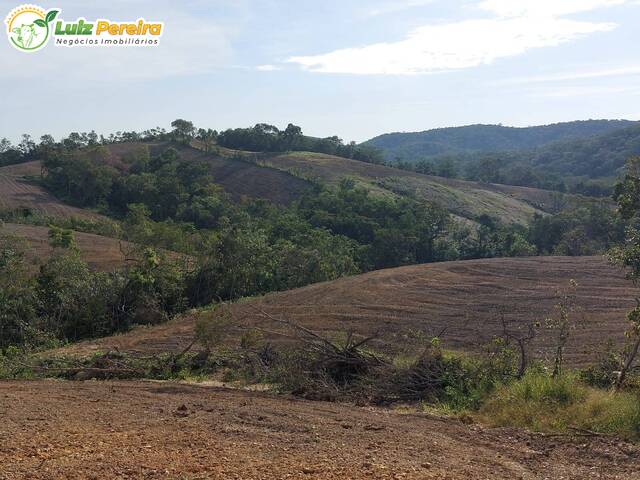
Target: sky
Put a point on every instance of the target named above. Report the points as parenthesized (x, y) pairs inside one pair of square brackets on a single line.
[(350, 68)]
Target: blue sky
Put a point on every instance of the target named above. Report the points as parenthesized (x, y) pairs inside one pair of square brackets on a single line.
[(352, 68)]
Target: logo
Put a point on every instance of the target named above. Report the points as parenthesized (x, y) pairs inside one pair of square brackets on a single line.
[(30, 27)]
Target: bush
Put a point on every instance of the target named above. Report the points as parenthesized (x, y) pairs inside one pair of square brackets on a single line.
[(212, 327), (603, 374)]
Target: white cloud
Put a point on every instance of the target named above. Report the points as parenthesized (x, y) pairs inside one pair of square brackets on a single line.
[(518, 27)]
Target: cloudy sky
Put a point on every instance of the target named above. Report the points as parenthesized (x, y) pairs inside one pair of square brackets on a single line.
[(356, 68)]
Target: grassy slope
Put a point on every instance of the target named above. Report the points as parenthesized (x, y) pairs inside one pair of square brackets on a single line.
[(462, 198), (238, 178), (408, 305), (283, 178)]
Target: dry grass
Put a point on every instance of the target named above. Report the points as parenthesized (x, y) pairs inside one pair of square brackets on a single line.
[(101, 253)]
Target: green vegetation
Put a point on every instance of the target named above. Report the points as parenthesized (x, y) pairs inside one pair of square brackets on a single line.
[(486, 138), (563, 404), (66, 301), (231, 249)]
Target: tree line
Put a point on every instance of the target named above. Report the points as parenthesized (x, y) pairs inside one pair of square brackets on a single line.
[(260, 138)]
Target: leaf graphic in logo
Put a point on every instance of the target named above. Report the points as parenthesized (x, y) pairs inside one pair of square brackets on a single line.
[(39, 22), (51, 15)]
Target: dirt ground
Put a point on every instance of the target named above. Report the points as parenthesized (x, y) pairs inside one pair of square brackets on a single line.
[(407, 306), (151, 430)]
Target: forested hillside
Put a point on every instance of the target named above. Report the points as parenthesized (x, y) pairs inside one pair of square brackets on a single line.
[(485, 138)]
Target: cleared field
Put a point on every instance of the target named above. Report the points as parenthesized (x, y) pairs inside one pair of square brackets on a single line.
[(136, 430), (17, 192), (101, 253), (465, 199), (408, 305)]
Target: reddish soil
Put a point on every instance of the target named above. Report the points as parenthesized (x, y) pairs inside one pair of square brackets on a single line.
[(136, 430), (408, 305), (101, 253)]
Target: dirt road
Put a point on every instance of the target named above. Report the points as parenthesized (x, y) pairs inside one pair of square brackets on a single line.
[(131, 430)]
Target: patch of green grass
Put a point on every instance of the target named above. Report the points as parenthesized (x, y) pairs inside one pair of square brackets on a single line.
[(543, 403)]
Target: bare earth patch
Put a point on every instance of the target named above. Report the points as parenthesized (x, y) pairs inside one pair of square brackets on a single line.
[(99, 430)]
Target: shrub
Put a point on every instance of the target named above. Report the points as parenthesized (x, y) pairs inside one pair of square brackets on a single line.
[(212, 327), (603, 374)]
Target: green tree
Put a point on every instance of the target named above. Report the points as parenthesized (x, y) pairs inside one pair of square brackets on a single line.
[(183, 130), (74, 302), (627, 195), (18, 303), (61, 238)]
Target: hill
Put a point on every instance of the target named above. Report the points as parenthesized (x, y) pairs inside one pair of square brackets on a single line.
[(238, 178), (598, 156), (283, 178), (410, 304), (17, 192), (462, 198), (486, 138)]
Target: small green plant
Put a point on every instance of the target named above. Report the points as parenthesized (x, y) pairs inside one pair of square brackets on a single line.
[(213, 327), (562, 323), (62, 238)]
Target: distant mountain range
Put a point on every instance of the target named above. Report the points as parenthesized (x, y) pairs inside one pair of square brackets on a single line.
[(591, 148), (487, 138)]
